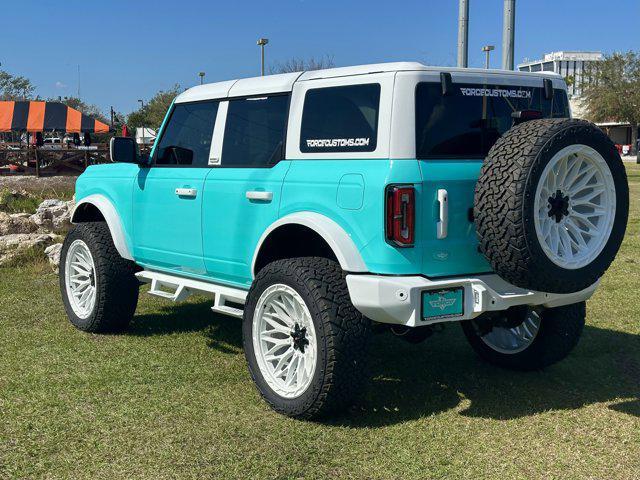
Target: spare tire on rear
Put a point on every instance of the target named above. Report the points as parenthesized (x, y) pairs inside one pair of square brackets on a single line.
[(551, 205)]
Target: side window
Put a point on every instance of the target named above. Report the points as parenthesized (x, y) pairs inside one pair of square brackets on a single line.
[(255, 130), (340, 119), (186, 139)]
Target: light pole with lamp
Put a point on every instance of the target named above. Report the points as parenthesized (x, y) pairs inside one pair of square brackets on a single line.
[(487, 49), (201, 75), (262, 42)]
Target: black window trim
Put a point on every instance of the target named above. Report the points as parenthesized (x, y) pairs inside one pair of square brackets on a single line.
[(284, 136), (449, 157)]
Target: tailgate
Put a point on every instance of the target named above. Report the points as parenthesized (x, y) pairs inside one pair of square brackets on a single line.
[(456, 253)]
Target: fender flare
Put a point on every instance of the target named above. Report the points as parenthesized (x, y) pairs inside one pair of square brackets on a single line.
[(112, 218), (338, 240)]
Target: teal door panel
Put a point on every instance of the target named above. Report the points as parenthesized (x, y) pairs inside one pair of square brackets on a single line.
[(167, 223), (457, 253), (239, 204)]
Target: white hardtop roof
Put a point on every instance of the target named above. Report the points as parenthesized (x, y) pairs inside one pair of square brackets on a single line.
[(284, 82)]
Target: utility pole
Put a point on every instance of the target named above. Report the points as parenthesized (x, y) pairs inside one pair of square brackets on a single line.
[(487, 49), (78, 80), (508, 34), (262, 42), (463, 34)]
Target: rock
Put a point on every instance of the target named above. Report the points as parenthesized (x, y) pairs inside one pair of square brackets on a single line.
[(53, 254), (13, 244), (16, 223), (53, 214)]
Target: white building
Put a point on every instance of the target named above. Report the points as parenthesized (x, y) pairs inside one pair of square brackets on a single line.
[(573, 66)]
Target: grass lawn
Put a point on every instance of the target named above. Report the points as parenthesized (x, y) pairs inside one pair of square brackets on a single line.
[(172, 398)]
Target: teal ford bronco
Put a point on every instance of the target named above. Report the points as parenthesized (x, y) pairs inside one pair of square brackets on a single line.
[(318, 205)]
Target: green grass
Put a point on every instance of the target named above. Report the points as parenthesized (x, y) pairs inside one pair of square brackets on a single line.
[(172, 398), (29, 203)]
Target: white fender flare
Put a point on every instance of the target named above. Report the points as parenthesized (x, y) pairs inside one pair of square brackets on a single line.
[(338, 240), (112, 218)]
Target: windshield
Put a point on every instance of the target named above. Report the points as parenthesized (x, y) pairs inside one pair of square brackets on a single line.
[(467, 122)]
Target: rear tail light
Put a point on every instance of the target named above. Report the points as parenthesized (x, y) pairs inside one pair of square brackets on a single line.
[(400, 215)]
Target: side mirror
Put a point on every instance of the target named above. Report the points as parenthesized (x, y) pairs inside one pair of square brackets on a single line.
[(124, 150)]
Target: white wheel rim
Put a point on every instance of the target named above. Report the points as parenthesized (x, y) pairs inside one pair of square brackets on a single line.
[(510, 340), (80, 279), (286, 365), (581, 177)]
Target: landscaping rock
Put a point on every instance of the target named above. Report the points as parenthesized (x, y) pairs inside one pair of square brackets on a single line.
[(53, 254), (15, 243), (53, 214), (16, 223)]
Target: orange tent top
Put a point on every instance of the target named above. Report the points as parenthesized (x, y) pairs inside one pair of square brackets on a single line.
[(40, 116)]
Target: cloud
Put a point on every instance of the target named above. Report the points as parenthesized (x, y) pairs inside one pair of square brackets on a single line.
[(61, 85)]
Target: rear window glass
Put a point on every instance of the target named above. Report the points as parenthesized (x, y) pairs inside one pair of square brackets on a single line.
[(254, 133), (340, 119), (467, 122)]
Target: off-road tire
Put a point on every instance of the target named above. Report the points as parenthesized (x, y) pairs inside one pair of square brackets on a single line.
[(117, 286), (504, 204), (342, 334), (559, 332)]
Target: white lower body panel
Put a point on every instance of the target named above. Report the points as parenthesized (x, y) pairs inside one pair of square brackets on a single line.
[(398, 300)]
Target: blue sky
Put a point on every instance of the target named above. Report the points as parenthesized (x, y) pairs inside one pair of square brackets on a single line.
[(130, 49)]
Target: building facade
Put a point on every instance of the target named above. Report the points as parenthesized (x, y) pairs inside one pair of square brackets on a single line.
[(573, 66)]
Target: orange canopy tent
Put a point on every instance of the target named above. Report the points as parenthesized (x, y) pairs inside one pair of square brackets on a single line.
[(46, 116)]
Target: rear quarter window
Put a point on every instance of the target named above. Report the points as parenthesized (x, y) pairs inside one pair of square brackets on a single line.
[(467, 122), (340, 119)]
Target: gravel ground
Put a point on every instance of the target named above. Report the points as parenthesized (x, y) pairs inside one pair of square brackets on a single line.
[(36, 185)]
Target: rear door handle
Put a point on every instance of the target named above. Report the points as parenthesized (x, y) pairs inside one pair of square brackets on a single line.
[(259, 195), (443, 224), (186, 192)]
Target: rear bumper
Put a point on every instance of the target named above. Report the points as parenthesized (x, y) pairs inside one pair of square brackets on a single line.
[(398, 300)]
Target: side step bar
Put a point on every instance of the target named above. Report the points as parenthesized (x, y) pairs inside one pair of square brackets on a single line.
[(176, 289)]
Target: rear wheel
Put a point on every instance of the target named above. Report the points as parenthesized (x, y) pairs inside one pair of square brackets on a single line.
[(305, 342), (527, 339)]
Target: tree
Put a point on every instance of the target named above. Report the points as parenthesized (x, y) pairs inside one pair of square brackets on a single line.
[(14, 87), (86, 108), (299, 65), (152, 114), (612, 91)]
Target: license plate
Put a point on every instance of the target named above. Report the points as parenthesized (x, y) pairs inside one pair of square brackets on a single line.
[(445, 303)]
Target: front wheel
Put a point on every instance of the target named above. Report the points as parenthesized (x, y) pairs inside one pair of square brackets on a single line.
[(99, 288), (304, 341), (527, 339)]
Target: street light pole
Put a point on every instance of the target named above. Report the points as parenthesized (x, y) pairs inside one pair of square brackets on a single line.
[(201, 75), (487, 49), (262, 42)]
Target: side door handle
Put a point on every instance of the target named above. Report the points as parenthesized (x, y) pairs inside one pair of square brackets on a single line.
[(186, 192), (443, 224), (259, 195)]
